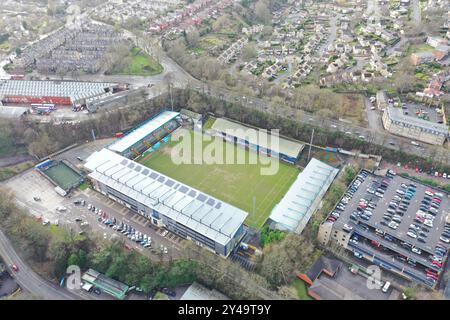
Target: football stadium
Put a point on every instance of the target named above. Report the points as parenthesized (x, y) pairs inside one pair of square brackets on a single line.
[(211, 203)]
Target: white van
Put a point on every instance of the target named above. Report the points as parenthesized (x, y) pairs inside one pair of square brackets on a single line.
[(386, 286)]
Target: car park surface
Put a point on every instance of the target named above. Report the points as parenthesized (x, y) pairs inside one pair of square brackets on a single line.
[(389, 233)]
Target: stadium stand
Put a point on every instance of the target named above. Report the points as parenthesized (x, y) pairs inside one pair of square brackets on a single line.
[(234, 132), (146, 135), (299, 203)]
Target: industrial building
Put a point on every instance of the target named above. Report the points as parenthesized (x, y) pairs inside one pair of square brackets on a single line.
[(146, 135), (397, 229), (54, 92), (248, 137), (185, 211), (397, 123), (303, 197)]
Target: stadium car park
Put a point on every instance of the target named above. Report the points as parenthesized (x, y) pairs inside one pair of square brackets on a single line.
[(397, 223)]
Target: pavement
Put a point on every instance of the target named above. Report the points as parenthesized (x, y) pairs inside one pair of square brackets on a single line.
[(386, 254)]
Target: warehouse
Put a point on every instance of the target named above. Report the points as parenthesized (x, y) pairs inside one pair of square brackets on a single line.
[(187, 212), (56, 92), (299, 203), (146, 135), (396, 122), (234, 132)]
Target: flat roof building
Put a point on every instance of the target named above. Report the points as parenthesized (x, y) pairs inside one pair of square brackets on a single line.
[(51, 91), (234, 132), (303, 197), (396, 122), (187, 212), (110, 286)]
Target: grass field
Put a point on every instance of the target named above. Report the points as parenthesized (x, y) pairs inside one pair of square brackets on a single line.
[(235, 184), (302, 291), (8, 172), (141, 64)]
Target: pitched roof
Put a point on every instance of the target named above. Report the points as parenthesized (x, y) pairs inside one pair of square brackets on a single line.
[(323, 263)]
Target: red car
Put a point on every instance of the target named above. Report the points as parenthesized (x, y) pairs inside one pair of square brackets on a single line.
[(429, 270), (14, 268), (436, 263), (432, 275)]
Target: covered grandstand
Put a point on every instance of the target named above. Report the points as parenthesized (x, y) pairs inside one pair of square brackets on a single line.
[(55, 92), (110, 286), (187, 212), (234, 132), (299, 203), (146, 135)]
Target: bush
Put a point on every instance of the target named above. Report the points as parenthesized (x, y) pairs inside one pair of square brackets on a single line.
[(268, 236)]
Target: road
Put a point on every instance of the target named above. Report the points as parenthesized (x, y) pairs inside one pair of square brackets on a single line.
[(416, 13), (30, 280), (376, 136)]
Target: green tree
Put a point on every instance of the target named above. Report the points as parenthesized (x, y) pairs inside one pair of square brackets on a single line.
[(73, 260)]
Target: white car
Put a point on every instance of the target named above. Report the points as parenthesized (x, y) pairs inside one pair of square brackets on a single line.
[(165, 250), (444, 239), (411, 234), (165, 232), (61, 209), (416, 250), (428, 223), (348, 228)]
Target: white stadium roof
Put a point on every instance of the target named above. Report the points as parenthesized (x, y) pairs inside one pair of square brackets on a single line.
[(142, 131), (206, 215), (298, 204)]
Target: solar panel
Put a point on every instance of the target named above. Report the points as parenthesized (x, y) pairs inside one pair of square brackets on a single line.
[(138, 168), (201, 197), (218, 205), (183, 189), (161, 179), (170, 183), (192, 193), (211, 202), (124, 162), (154, 175), (145, 171), (131, 165)]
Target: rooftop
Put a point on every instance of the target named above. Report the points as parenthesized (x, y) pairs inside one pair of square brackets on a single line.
[(142, 131), (198, 292), (299, 203), (111, 286), (396, 115), (12, 112), (72, 89), (287, 147), (206, 215)]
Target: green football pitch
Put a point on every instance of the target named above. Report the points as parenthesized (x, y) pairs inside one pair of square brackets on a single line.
[(64, 176), (236, 184)]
